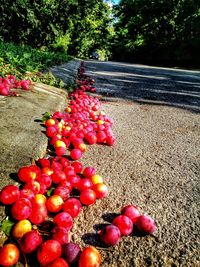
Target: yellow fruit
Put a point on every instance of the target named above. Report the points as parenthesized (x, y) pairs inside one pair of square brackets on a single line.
[(40, 198), (100, 122), (59, 143), (21, 228), (96, 179)]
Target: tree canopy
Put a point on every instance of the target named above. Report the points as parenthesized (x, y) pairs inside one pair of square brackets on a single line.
[(158, 30), (133, 30)]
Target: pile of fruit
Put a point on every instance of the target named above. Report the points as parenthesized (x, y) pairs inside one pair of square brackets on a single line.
[(10, 82), (54, 189)]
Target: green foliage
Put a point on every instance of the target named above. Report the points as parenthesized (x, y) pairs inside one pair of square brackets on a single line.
[(158, 30), (27, 63), (7, 225), (77, 26)]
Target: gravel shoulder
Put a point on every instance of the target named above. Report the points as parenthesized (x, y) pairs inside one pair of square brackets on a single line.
[(154, 165)]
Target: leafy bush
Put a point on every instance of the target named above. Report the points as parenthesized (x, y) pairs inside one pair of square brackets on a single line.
[(27, 63)]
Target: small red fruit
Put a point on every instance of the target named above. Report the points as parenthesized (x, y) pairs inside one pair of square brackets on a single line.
[(9, 194), (146, 224), (132, 212), (9, 255), (72, 206), (71, 252), (60, 262), (90, 257), (21, 209), (101, 190), (124, 224), (54, 203), (63, 219), (30, 241), (61, 235), (88, 197), (110, 235), (76, 154), (49, 251)]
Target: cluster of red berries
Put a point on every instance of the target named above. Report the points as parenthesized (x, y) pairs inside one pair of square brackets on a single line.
[(124, 224), (82, 123), (54, 189), (86, 85), (10, 82)]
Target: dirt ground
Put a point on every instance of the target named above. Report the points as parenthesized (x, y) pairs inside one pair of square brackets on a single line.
[(154, 165)]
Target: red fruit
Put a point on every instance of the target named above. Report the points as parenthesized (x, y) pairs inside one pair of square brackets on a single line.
[(58, 263), (78, 167), (101, 190), (76, 154), (49, 251), (62, 191), (60, 151), (45, 179), (21, 209), (38, 214), (66, 184), (91, 138), (110, 235), (47, 171), (30, 241), (32, 185), (110, 140), (29, 173), (9, 194), (43, 162), (61, 235), (51, 131), (124, 224), (58, 176), (63, 219), (85, 183), (74, 180), (101, 137), (90, 257), (54, 203), (146, 224), (64, 162), (72, 206), (88, 197), (132, 212), (9, 255), (26, 193), (69, 171), (50, 122), (71, 252), (89, 172)]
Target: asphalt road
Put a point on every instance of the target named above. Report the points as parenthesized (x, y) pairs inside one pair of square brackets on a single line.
[(155, 163)]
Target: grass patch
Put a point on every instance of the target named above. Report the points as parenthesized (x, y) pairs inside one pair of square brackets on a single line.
[(26, 62)]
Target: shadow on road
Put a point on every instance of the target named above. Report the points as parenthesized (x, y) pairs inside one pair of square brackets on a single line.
[(147, 85)]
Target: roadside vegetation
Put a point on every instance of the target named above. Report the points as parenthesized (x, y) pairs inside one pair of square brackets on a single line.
[(35, 36), (26, 62)]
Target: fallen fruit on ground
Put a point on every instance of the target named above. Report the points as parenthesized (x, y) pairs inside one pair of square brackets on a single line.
[(71, 252), (20, 228), (110, 235), (146, 224), (9, 255), (124, 224), (90, 257), (49, 251)]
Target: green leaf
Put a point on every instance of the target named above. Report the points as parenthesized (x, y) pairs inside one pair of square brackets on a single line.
[(50, 191), (7, 225), (46, 116)]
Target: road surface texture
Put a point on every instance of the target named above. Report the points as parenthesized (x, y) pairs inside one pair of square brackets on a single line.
[(154, 165)]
